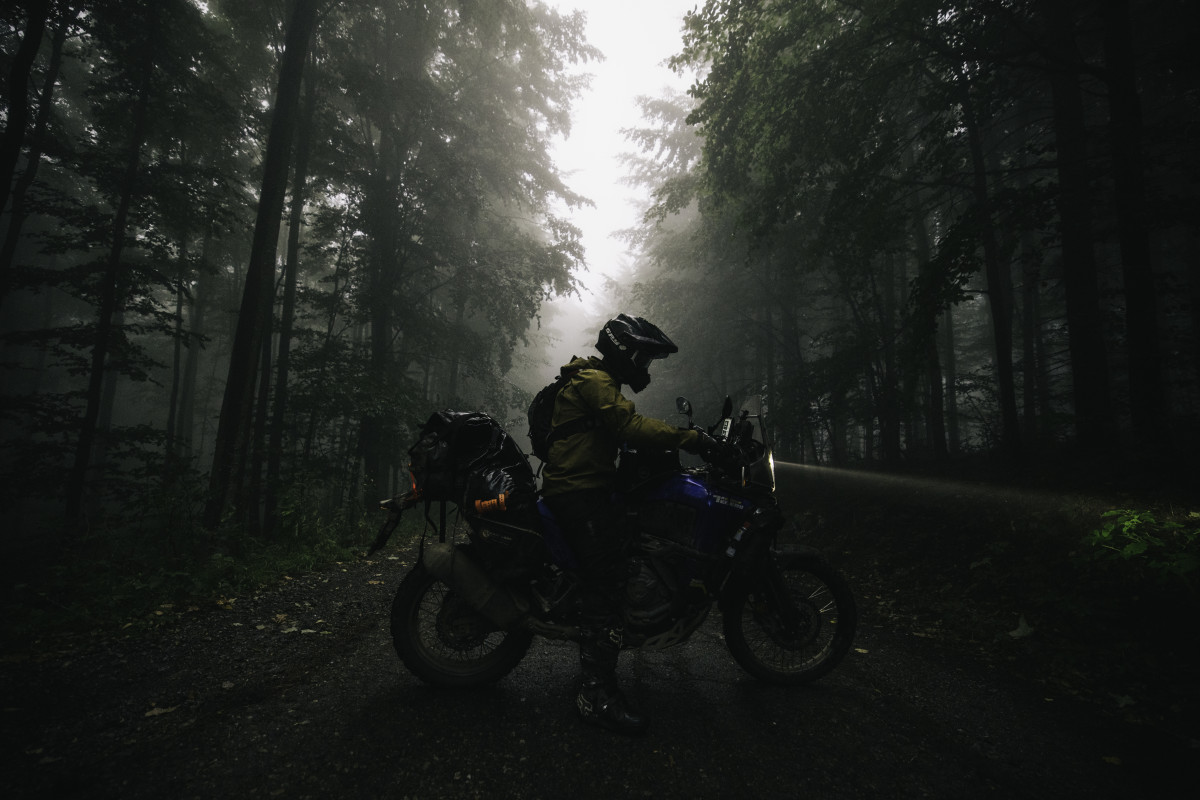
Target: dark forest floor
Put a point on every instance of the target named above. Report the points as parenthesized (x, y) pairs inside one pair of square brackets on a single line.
[(1004, 570), (989, 653)]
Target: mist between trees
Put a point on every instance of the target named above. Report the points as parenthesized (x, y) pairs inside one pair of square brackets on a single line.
[(247, 247), (929, 229)]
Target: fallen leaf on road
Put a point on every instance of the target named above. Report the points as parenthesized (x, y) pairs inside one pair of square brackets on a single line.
[(1022, 630)]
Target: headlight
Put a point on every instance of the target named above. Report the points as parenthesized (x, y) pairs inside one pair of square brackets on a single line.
[(761, 472)]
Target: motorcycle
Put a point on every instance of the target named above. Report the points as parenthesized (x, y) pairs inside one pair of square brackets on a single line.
[(466, 613)]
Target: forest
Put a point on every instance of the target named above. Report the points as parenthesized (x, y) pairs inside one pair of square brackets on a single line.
[(247, 248)]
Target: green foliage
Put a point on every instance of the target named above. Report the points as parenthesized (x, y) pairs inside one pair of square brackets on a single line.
[(430, 236), (871, 158), (1147, 545), (135, 572)]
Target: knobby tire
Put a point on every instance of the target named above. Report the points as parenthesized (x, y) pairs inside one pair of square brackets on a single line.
[(445, 643), (798, 642)]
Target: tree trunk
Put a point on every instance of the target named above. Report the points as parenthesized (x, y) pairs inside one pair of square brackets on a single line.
[(383, 200), (110, 300), (889, 379), (1193, 262), (176, 360), (18, 95), (340, 268), (1030, 325), (373, 445), (950, 369), (258, 436), (868, 424), (460, 310), (197, 321), (999, 284), (254, 314), (1147, 401), (112, 379), (788, 408), (288, 312), (927, 328), (1085, 331), (16, 217)]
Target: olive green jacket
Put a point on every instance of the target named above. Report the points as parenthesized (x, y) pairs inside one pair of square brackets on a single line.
[(587, 460)]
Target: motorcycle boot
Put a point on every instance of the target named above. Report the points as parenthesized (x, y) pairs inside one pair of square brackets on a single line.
[(600, 700)]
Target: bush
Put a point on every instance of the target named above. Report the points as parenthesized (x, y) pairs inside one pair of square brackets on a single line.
[(1148, 548), (151, 555)]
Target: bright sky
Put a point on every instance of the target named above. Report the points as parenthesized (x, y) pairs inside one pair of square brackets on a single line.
[(636, 37)]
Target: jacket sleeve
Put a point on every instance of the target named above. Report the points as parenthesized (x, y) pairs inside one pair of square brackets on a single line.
[(618, 416)]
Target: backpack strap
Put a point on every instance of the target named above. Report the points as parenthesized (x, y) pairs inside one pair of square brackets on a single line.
[(439, 526), (578, 425), (442, 521)]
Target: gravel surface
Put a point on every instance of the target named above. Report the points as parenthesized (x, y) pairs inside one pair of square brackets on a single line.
[(296, 692)]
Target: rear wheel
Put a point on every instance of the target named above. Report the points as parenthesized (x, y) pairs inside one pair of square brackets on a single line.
[(445, 642), (795, 626)]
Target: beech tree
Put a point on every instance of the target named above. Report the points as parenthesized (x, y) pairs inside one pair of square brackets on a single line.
[(911, 160), (255, 312), (422, 237)]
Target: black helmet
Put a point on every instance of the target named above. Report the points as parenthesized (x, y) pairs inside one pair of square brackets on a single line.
[(628, 345)]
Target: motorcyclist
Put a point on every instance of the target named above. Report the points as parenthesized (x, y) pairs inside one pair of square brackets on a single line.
[(578, 481)]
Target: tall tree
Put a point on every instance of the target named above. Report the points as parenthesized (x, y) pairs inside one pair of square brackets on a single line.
[(288, 310), (111, 290), (17, 95), (999, 279), (255, 313), (1146, 391), (16, 211), (1089, 361)]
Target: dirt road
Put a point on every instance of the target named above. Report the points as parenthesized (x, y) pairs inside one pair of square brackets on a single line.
[(296, 692)]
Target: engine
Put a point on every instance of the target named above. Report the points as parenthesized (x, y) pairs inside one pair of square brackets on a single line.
[(649, 592), (659, 563)]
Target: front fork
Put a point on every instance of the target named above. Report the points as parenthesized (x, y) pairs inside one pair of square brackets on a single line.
[(750, 552), (756, 567)]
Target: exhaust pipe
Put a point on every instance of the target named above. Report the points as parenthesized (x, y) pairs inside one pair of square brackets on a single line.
[(456, 569)]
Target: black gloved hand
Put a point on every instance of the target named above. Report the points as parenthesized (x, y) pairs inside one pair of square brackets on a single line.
[(722, 454)]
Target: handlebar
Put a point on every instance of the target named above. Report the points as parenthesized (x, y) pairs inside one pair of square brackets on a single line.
[(719, 451)]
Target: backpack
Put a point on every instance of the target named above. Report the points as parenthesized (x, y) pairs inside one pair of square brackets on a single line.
[(467, 458), (542, 433)]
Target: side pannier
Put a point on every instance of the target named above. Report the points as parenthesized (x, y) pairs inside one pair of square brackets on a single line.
[(467, 458)]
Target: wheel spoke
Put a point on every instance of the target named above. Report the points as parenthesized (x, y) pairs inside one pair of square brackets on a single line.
[(444, 641), (441, 637), (800, 640)]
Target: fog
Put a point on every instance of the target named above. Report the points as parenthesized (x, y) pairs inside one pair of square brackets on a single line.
[(241, 267)]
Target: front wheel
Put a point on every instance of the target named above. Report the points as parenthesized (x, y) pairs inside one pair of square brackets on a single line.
[(445, 642), (795, 624)]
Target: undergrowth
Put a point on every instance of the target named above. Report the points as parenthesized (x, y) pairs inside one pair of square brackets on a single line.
[(133, 575), (1147, 547)]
